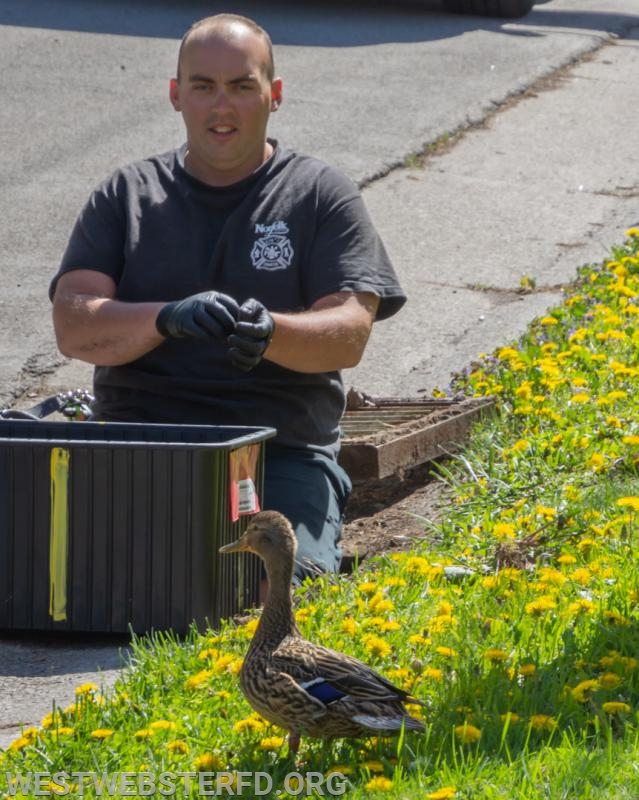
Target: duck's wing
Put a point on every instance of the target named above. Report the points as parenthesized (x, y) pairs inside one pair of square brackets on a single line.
[(329, 675)]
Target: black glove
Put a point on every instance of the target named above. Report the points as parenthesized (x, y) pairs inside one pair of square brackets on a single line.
[(251, 336), (208, 315)]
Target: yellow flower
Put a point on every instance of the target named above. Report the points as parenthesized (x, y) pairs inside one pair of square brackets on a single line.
[(86, 688), (251, 724), (63, 730), (581, 693), (19, 743), (447, 652), (375, 646), (630, 439), (349, 626), (373, 766), (162, 725), (614, 707), (581, 575), (379, 784), (467, 734), (495, 655), (209, 762), (381, 604), (509, 717), (177, 746), (580, 398), (272, 743), (548, 512), (548, 321), (199, 679), (433, 673), (629, 502), (101, 733), (565, 559), (543, 722), (538, 607), (504, 530), (442, 794), (616, 618), (367, 587), (609, 680), (526, 670), (143, 733)]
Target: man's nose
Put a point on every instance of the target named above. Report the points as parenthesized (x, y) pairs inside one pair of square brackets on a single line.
[(221, 99)]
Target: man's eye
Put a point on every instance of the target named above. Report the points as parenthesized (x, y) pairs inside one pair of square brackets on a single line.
[(201, 87)]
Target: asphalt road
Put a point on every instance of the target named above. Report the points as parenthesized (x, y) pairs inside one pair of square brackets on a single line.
[(539, 181)]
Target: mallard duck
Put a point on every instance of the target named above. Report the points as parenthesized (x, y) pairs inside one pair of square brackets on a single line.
[(300, 686)]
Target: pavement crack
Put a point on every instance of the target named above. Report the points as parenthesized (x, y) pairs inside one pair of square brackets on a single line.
[(447, 140)]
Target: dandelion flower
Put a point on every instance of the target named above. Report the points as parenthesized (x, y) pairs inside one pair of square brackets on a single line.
[(540, 606), (543, 722), (446, 652), (86, 688), (615, 707), (442, 794), (177, 746), (101, 733), (379, 784), (582, 691), (375, 646), (467, 734), (629, 502), (272, 743), (495, 655), (199, 679), (209, 762)]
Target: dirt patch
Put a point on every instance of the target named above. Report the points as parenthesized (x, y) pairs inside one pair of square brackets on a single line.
[(391, 515)]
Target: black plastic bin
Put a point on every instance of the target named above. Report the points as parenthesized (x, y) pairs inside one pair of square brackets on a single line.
[(107, 527)]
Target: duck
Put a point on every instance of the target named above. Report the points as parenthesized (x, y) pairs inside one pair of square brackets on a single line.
[(302, 687)]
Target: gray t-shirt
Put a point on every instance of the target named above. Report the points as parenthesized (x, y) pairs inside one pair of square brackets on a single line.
[(292, 232)]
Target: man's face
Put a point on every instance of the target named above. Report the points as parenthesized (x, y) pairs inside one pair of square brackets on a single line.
[(225, 99)]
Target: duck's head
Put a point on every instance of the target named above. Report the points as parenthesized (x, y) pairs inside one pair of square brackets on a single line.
[(269, 535)]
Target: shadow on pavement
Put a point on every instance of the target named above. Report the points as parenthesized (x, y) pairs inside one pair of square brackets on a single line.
[(361, 22)]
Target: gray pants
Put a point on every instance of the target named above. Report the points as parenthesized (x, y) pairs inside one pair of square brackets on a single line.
[(311, 490)]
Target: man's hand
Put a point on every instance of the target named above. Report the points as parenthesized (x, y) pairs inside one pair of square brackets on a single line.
[(251, 336), (208, 315)]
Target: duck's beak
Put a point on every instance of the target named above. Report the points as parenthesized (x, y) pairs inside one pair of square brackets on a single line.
[(238, 546)]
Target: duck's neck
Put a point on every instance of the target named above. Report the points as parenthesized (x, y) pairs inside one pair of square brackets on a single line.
[(278, 619)]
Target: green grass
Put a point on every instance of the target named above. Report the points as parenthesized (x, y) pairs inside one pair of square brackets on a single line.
[(527, 660)]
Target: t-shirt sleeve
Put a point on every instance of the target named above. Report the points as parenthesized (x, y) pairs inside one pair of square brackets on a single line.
[(98, 237), (348, 253)]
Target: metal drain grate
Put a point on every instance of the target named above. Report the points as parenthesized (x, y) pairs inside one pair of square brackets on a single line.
[(383, 436)]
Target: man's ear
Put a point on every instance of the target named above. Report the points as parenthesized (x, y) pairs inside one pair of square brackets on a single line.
[(276, 94), (174, 94)]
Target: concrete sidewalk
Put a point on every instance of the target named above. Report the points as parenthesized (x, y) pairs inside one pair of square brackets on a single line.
[(549, 183)]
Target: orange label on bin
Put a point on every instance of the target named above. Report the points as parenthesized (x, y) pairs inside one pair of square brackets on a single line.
[(242, 471)]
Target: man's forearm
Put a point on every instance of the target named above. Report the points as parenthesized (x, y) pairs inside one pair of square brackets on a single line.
[(103, 331), (318, 341)]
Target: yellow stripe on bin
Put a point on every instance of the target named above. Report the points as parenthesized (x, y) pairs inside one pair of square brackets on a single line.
[(58, 543)]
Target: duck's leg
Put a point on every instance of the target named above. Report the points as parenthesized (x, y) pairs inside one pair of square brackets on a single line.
[(294, 740)]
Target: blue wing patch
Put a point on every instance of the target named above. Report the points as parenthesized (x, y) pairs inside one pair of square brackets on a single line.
[(323, 691)]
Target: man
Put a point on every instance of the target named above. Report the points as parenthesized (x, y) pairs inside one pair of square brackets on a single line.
[(228, 282)]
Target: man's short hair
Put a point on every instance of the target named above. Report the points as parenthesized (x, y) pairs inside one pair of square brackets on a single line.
[(224, 22)]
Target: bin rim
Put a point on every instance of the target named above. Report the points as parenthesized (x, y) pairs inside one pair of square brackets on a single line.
[(240, 435)]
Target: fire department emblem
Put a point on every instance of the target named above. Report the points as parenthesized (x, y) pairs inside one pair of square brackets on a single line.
[(273, 250)]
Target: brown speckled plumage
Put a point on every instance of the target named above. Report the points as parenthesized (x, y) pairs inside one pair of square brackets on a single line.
[(283, 673)]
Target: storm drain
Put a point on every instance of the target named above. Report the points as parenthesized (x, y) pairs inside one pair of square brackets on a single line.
[(384, 436)]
